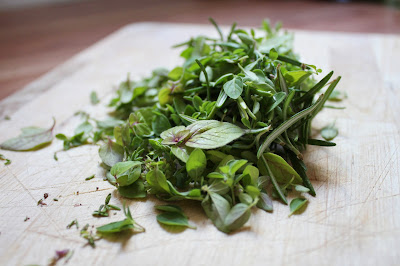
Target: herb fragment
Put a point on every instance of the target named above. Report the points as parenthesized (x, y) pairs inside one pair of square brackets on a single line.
[(26, 218), (87, 234), (104, 208), (41, 203), (74, 222), (3, 158), (127, 224), (90, 177), (60, 254), (329, 132), (93, 98)]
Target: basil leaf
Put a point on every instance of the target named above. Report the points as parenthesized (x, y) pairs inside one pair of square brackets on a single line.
[(214, 135)]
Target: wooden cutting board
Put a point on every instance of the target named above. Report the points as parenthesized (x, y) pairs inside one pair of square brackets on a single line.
[(354, 220)]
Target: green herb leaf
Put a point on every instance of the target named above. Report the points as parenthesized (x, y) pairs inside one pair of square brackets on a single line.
[(329, 132), (126, 172), (134, 191), (234, 87), (174, 219), (111, 153), (296, 205), (196, 164), (126, 224)]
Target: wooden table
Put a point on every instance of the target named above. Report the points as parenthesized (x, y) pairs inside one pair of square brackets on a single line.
[(35, 40), (354, 219)]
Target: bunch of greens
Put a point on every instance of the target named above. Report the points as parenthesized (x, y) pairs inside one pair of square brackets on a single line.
[(226, 128)]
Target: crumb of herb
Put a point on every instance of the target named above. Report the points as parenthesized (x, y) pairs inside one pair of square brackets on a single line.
[(74, 222), (26, 218), (41, 203)]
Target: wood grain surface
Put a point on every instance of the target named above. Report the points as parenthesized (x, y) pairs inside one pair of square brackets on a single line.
[(354, 220), (35, 40)]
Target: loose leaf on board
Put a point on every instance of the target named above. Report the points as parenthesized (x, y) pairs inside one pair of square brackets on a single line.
[(31, 138), (296, 205), (329, 132), (127, 224)]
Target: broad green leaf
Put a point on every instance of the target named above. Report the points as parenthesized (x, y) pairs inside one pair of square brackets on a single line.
[(164, 96), (221, 205), (111, 153), (31, 138), (219, 187), (329, 132), (282, 171), (122, 167), (134, 191), (196, 163), (273, 54), (157, 181), (251, 174), (265, 202), (160, 124), (181, 152), (216, 208), (126, 172), (174, 219), (237, 216), (234, 87), (297, 204), (212, 136)]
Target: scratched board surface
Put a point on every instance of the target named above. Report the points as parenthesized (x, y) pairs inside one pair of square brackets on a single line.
[(353, 220)]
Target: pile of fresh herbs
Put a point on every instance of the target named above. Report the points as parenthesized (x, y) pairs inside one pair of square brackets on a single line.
[(227, 128)]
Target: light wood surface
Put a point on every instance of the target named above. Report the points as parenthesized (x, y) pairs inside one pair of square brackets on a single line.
[(354, 220)]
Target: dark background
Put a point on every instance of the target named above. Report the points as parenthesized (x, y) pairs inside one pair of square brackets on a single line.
[(35, 37)]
